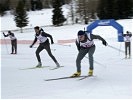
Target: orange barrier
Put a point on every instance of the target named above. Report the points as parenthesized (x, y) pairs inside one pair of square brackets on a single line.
[(8, 41)]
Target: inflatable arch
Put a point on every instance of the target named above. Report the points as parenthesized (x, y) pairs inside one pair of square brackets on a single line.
[(110, 22)]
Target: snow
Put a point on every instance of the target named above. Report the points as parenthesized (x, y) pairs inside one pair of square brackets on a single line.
[(113, 75)]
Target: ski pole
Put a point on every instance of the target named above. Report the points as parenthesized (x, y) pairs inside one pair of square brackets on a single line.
[(116, 48), (97, 62)]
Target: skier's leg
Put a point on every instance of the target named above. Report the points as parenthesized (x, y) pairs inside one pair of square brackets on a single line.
[(47, 47), (80, 56), (129, 49), (90, 54), (12, 47), (15, 46), (39, 49), (125, 50)]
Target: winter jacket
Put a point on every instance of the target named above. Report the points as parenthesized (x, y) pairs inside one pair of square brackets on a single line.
[(88, 41)]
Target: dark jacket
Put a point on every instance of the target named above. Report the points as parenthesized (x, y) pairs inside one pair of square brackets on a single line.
[(44, 35)]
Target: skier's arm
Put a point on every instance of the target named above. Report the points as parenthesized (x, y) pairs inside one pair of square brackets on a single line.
[(35, 40), (48, 35), (5, 35), (77, 44), (12, 34), (100, 38)]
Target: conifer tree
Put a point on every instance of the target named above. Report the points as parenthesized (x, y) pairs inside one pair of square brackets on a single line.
[(105, 9), (58, 17), (4, 7), (116, 9), (39, 5), (21, 18), (124, 8)]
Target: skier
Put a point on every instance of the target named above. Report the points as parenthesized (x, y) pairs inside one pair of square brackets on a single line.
[(85, 44), (13, 41), (127, 37), (44, 44)]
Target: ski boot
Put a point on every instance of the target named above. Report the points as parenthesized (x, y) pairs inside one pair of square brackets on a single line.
[(39, 65), (90, 73), (77, 74)]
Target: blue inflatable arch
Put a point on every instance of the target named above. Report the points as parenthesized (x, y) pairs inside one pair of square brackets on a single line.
[(110, 22)]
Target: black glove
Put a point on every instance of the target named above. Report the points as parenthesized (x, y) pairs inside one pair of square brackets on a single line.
[(31, 46), (104, 42), (52, 42), (3, 33)]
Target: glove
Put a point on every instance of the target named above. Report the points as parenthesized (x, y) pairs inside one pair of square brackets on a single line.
[(52, 42), (3, 33), (31, 46), (104, 42)]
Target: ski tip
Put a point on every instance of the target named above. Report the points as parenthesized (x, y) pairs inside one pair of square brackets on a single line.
[(56, 68)]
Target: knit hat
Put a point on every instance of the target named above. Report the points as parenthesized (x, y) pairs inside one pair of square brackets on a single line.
[(9, 31), (127, 31), (81, 32), (37, 27)]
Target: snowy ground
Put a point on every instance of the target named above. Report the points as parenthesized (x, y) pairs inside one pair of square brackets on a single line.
[(113, 75), (113, 78)]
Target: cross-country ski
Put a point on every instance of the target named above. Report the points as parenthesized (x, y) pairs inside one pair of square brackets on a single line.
[(88, 76), (56, 68), (60, 78), (34, 67)]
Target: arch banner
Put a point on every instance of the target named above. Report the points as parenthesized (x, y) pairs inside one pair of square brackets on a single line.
[(109, 22)]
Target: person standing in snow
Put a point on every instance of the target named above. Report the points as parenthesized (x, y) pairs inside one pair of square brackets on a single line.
[(127, 37), (85, 44), (44, 44), (13, 41)]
